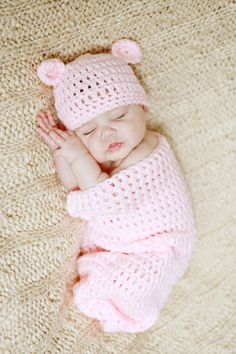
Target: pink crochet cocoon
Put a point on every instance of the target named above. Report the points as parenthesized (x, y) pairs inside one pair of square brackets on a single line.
[(138, 242)]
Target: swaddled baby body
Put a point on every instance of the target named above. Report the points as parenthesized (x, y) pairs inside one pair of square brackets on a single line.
[(125, 181)]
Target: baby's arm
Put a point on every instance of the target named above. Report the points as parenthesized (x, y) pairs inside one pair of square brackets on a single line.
[(87, 171), (83, 173), (46, 123), (84, 167), (64, 172), (76, 168)]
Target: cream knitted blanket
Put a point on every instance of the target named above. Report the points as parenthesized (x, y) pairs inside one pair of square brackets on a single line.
[(188, 68)]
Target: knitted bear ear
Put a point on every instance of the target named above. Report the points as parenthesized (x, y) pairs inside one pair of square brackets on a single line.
[(51, 71), (127, 50)]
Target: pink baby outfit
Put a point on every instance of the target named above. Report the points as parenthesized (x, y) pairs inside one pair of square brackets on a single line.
[(140, 228), (138, 242)]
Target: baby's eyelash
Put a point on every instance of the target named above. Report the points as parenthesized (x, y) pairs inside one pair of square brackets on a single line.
[(88, 132), (114, 119), (120, 116)]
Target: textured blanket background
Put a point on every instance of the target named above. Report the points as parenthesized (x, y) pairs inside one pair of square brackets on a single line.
[(189, 70)]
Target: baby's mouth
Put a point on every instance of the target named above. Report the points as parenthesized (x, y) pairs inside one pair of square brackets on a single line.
[(114, 146)]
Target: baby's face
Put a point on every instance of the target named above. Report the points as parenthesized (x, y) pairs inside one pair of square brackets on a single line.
[(126, 124)]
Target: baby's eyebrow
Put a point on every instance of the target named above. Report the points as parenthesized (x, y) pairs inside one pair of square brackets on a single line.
[(116, 111), (86, 124)]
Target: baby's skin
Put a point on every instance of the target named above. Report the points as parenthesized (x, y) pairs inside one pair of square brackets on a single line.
[(83, 158)]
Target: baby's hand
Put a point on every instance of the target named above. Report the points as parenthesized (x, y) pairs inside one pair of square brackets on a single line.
[(66, 142), (47, 123)]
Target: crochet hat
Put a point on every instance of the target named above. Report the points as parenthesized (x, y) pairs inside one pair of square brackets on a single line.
[(94, 83)]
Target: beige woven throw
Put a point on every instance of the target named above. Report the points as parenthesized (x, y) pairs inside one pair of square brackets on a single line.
[(188, 68)]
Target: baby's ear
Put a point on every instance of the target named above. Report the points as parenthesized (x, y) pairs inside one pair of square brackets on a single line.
[(127, 50), (51, 71)]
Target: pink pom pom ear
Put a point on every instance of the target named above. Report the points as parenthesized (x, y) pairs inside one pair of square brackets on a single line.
[(51, 71), (127, 50)]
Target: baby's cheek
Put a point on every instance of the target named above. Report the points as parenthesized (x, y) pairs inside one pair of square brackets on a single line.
[(96, 152), (140, 130), (136, 134), (89, 144)]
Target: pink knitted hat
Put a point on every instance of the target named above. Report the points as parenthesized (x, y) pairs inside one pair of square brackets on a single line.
[(94, 83)]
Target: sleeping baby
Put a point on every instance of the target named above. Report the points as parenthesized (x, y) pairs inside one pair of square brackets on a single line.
[(123, 179)]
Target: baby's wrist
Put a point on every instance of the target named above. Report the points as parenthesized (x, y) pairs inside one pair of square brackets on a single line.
[(78, 156), (69, 159)]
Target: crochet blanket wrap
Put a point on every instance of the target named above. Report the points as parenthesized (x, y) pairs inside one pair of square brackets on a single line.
[(139, 240)]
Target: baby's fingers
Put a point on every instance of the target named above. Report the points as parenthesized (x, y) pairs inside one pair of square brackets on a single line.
[(58, 138), (43, 122), (52, 119), (48, 139), (64, 133), (70, 132)]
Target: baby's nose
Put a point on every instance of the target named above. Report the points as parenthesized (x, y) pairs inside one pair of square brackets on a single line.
[(107, 133)]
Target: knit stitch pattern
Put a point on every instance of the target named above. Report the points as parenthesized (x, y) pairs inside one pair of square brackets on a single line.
[(188, 71), (138, 243), (90, 85)]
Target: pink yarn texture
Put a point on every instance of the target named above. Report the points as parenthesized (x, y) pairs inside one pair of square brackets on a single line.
[(139, 240), (94, 83)]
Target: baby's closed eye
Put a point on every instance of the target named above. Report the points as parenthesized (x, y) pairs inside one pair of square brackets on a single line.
[(87, 133)]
